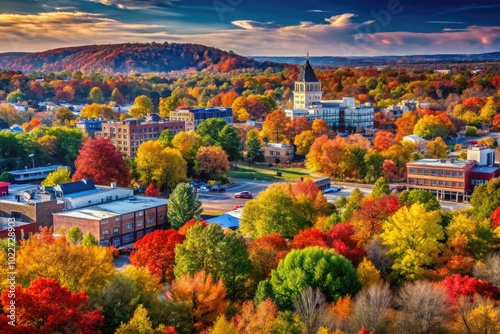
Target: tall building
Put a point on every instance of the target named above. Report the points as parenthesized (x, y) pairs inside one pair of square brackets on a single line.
[(339, 114), (129, 134), (307, 91)]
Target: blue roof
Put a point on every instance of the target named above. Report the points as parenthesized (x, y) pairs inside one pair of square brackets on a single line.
[(76, 187), (226, 221)]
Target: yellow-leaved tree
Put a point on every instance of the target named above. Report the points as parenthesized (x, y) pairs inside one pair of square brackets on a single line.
[(412, 236)]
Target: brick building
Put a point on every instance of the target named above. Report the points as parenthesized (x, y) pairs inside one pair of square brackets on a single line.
[(22, 230), (129, 134), (118, 222), (273, 151)]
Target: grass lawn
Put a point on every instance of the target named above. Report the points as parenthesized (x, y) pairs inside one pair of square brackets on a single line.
[(260, 172)]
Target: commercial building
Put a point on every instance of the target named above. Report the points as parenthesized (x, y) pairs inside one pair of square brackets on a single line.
[(273, 151), (194, 116), (453, 179), (22, 231), (339, 114), (33, 174), (129, 134), (90, 126)]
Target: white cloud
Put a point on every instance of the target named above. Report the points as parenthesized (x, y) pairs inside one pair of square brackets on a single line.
[(136, 4), (338, 36)]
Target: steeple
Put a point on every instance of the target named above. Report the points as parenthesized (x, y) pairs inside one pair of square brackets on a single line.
[(307, 90)]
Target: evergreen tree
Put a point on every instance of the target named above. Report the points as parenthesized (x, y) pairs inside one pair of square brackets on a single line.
[(381, 188), (253, 146), (183, 205)]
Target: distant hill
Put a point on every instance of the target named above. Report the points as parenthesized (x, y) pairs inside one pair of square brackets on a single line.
[(125, 58), (385, 60)]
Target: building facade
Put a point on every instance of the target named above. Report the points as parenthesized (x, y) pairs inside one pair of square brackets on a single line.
[(129, 134), (194, 116), (273, 151), (90, 126), (339, 114)]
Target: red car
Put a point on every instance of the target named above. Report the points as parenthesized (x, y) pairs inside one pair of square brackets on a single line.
[(243, 194)]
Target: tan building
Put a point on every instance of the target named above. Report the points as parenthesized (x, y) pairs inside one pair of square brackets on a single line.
[(273, 151), (194, 116), (129, 134)]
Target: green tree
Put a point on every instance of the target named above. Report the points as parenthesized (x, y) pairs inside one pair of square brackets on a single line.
[(168, 104), (253, 146), (412, 236), (166, 138), (471, 131), (485, 199), (424, 197), (183, 205), (143, 106), (64, 116), (74, 235), (315, 267), (274, 211), (381, 188), (230, 142), (89, 240), (15, 96), (59, 176), (437, 149), (211, 127), (96, 95), (222, 255)]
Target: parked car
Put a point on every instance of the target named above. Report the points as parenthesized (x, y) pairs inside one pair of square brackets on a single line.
[(331, 190), (243, 194), (238, 206), (203, 190), (218, 188), (398, 188), (193, 184)]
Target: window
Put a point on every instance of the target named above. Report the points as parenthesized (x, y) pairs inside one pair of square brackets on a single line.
[(454, 174), (433, 172), (440, 183), (116, 242), (104, 221), (130, 226), (128, 238), (116, 231), (271, 152), (419, 171), (412, 170), (105, 234), (150, 220), (140, 213), (447, 173), (139, 223), (117, 219), (104, 243), (440, 173), (426, 172), (453, 184), (433, 182)]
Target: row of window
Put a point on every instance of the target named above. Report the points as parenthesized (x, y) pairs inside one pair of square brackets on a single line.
[(437, 172), (287, 153), (435, 183)]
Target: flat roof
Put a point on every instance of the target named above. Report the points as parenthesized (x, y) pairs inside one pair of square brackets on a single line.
[(484, 169), (114, 208), (37, 169), (442, 163)]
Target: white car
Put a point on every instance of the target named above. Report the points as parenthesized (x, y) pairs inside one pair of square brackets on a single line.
[(331, 190), (203, 190)]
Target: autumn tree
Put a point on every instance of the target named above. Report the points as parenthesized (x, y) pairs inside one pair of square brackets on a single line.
[(489, 110), (412, 236), (74, 235), (424, 197), (89, 240), (406, 124), (59, 176), (156, 252), (319, 127), (211, 160), (143, 106), (430, 126), (383, 140), (309, 237), (255, 319), (47, 307), (48, 146), (275, 127), (340, 238), (117, 96), (64, 116), (381, 188), (166, 138), (303, 142), (265, 253), (152, 191), (368, 274), (102, 163), (139, 323), (95, 110), (77, 268), (168, 104), (96, 95), (183, 205), (389, 169), (371, 307), (437, 149), (298, 125), (173, 168), (335, 277), (205, 294), (223, 255), (485, 199)]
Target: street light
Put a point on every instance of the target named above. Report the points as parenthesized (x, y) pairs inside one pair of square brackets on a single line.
[(32, 156)]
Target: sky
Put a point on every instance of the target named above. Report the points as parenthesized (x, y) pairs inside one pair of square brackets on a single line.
[(258, 27)]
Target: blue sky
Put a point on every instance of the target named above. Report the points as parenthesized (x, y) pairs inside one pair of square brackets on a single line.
[(258, 27)]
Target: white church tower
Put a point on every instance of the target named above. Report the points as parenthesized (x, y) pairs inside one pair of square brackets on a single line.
[(307, 88)]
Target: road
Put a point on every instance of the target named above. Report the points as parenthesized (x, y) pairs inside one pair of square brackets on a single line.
[(224, 202)]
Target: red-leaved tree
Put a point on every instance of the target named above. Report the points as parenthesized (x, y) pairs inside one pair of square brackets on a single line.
[(47, 307), (190, 223), (152, 191), (156, 252), (458, 286), (99, 161), (309, 237), (340, 238), (265, 253), (495, 218)]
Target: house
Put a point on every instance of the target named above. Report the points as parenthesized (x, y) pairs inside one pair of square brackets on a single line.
[(272, 151), (418, 141), (229, 220)]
